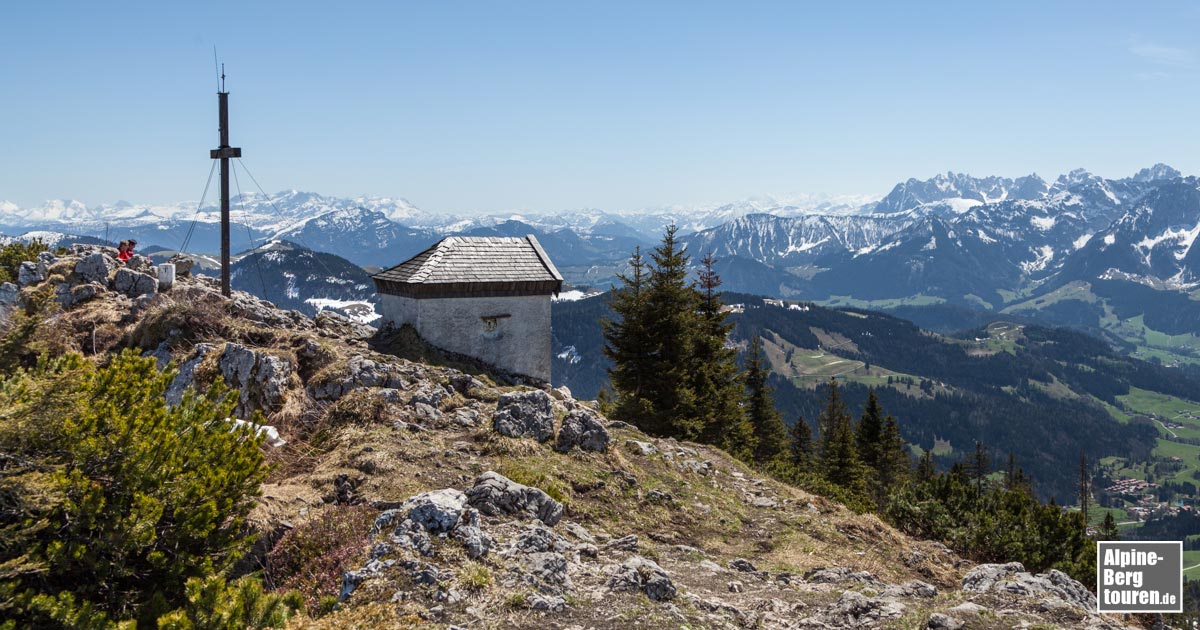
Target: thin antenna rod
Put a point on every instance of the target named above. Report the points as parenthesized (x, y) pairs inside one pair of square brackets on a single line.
[(215, 70), (222, 77)]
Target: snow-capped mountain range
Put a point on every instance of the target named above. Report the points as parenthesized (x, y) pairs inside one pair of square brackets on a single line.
[(952, 236)]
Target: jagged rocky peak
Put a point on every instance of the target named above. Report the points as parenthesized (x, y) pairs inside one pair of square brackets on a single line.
[(1157, 172), (950, 185)]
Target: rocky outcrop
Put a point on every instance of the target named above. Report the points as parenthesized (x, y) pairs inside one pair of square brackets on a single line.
[(528, 414), (1012, 579), (583, 429), (640, 574), (183, 265), (494, 495), (133, 283), (359, 372), (260, 378), (95, 267)]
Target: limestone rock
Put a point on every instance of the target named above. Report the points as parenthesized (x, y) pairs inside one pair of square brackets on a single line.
[(642, 448), (134, 283), (855, 609), (336, 322), (95, 267), (528, 414), (940, 621), (495, 495), (469, 533), (911, 589), (430, 394), (185, 378), (68, 295), (437, 511), (9, 294), (1012, 579), (28, 274), (260, 378), (360, 372), (183, 265), (835, 575), (624, 543), (640, 574), (583, 429), (741, 564)]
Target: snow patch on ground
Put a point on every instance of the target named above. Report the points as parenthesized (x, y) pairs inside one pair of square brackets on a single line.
[(570, 355), (1044, 254), (362, 312), (1042, 223), (1082, 240), (1110, 238), (931, 245), (574, 295)]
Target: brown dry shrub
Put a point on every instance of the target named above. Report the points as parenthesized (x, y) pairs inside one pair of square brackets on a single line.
[(361, 406), (311, 558), (196, 321)]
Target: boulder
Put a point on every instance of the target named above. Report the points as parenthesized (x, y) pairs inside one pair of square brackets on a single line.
[(430, 394), (911, 589), (835, 575), (854, 609), (185, 378), (183, 265), (28, 274), (437, 511), (527, 414), (68, 296), (940, 621), (260, 378), (134, 283), (582, 428), (360, 372), (640, 574), (95, 267), (9, 294), (494, 494), (743, 565), (642, 448), (470, 534)]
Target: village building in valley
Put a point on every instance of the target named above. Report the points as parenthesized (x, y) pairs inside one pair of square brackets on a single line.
[(483, 297)]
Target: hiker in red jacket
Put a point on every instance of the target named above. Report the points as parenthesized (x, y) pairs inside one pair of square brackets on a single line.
[(125, 250)]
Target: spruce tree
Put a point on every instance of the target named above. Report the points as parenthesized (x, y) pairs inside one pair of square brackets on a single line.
[(926, 470), (1085, 487), (770, 434), (671, 322), (800, 446), (979, 466), (629, 346), (716, 380), (894, 461), (1109, 529), (839, 457), (868, 436)]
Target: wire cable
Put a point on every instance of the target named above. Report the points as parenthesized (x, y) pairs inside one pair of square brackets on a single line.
[(257, 256), (187, 239), (316, 254)]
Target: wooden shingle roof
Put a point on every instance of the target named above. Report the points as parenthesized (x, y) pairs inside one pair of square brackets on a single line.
[(474, 266)]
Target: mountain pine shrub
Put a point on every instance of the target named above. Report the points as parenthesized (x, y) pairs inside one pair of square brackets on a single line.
[(111, 501)]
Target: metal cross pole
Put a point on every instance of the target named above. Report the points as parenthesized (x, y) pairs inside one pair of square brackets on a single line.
[(223, 153)]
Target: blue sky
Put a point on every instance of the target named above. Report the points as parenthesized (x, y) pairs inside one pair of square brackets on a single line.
[(493, 106)]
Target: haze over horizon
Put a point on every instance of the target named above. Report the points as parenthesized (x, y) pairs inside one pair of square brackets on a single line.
[(540, 107)]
